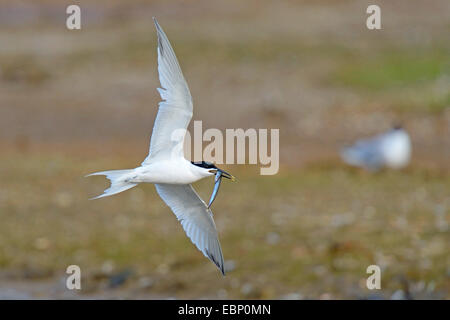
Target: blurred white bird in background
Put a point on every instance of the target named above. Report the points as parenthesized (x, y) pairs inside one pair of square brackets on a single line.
[(165, 165), (391, 149)]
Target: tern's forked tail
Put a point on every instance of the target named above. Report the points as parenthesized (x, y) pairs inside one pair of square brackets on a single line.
[(119, 181)]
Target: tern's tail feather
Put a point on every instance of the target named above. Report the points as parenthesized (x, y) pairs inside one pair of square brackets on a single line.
[(351, 156), (119, 181)]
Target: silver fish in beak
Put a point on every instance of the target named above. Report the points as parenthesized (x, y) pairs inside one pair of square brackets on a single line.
[(217, 181)]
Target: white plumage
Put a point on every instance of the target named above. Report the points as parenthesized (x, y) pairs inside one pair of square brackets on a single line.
[(165, 165), (391, 149)]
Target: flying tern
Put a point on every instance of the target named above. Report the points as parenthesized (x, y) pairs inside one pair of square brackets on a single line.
[(165, 165), (391, 149)]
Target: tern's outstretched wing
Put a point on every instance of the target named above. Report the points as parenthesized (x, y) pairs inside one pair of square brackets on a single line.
[(195, 217), (175, 111)]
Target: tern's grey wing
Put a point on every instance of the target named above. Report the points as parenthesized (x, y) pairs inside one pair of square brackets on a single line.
[(364, 153), (195, 217), (175, 111)]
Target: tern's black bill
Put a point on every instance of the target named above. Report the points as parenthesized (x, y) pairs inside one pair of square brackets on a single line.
[(226, 175)]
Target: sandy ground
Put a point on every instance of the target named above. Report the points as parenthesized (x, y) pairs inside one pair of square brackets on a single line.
[(74, 102)]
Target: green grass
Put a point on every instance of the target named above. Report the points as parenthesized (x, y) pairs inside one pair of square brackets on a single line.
[(416, 80), (393, 70)]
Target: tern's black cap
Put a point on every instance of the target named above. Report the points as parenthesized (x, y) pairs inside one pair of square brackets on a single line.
[(204, 164)]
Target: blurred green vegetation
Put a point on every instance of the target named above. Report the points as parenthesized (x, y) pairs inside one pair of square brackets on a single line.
[(393, 70), (413, 79)]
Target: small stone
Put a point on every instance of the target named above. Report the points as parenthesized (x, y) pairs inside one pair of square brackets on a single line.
[(42, 243), (247, 288), (229, 265), (325, 296), (272, 238), (107, 267), (64, 199), (398, 295), (222, 294), (292, 296), (146, 282)]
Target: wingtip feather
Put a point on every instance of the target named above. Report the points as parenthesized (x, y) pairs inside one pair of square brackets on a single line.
[(220, 265), (158, 27)]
